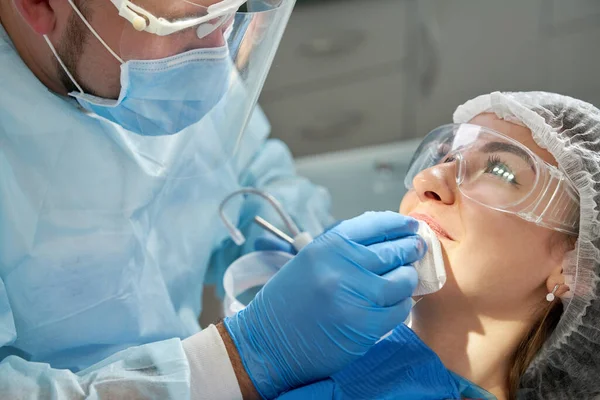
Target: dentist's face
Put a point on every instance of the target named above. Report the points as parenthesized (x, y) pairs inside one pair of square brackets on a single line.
[(96, 69), (497, 261)]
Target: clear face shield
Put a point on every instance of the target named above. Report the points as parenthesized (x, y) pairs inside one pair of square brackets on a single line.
[(188, 67), (500, 173)]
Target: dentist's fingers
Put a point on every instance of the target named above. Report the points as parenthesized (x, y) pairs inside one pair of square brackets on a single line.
[(377, 227), (396, 253)]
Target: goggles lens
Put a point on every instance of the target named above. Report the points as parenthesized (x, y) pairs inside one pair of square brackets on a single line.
[(500, 173)]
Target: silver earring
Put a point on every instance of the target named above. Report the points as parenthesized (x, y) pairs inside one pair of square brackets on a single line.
[(550, 296)]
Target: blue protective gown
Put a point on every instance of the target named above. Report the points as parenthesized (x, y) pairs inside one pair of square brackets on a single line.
[(106, 239), (400, 367)]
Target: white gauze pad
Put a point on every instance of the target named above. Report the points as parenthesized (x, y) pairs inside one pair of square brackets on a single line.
[(431, 269)]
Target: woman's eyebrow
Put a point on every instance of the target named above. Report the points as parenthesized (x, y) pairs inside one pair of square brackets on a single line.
[(492, 147)]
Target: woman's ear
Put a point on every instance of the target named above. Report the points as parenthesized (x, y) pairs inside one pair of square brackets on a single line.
[(38, 14), (560, 245), (557, 278)]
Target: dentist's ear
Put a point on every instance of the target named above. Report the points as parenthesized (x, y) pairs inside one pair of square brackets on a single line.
[(40, 15)]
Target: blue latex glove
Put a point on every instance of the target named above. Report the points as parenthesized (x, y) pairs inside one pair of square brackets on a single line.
[(330, 304)]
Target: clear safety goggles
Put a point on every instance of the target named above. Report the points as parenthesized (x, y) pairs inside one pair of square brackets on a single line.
[(500, 173)]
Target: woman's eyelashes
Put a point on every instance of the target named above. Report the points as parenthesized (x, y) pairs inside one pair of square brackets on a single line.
[(498, 168)]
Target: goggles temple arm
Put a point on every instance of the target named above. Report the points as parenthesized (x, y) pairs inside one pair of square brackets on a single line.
[(91, 28), (561, 211)]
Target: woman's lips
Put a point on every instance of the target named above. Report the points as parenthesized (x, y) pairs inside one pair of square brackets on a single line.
[(433, 224)]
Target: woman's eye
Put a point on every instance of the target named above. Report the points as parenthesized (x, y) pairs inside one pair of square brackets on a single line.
[(447, 159), (450, 159), (443, 149), (500, 169)]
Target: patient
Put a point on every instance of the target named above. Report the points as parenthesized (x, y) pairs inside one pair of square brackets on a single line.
[(518, 316)]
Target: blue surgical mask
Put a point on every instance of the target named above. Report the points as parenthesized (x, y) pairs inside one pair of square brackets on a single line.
[(162, 97)]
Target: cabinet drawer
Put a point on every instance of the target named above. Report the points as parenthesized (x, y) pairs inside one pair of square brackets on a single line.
[(335, 38), (363, 113), (573, 15)]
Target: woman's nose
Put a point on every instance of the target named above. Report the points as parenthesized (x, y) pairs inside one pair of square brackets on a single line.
[(437, 183)]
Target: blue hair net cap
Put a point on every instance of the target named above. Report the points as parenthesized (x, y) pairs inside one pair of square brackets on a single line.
[(568, 365)]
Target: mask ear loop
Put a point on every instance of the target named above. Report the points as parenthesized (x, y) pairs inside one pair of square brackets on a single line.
[(60, 61), (89, 26), (62, 64)]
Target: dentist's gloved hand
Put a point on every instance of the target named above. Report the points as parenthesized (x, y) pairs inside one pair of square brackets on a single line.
[(330, 304)]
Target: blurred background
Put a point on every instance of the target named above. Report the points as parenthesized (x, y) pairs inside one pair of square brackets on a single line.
[(355, 82)]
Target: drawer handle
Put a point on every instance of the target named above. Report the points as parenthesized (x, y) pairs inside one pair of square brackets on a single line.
[(332, 128), (388, 176), (389, 168), (334, 44)]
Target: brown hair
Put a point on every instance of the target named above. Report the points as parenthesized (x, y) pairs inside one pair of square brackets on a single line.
[(539, 333), (531, 344)]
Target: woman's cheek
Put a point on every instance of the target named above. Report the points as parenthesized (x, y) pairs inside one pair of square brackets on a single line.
[(408, 203)]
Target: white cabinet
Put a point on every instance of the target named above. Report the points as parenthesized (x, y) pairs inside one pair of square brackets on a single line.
[(337, 80), (353, 73), (570, 52), (330, 43), (360, 113)]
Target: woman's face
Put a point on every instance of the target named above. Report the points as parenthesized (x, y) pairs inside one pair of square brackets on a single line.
[(496, 261)]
